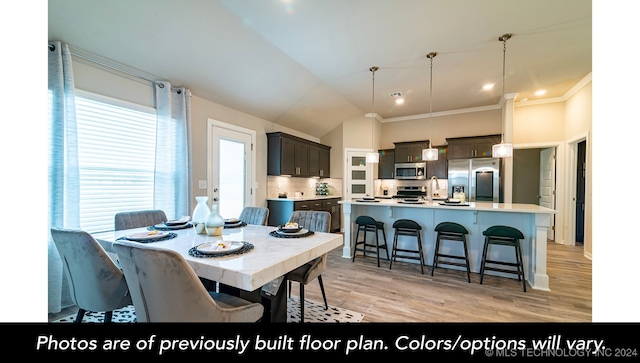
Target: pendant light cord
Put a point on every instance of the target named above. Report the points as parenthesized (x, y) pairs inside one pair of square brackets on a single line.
[(430, 55), (504, 39), (373, 96)]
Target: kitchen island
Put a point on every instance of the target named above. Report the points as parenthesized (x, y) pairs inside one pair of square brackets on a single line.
[(531, 219)]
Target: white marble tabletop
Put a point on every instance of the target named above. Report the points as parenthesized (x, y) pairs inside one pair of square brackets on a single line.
[(270, 258)]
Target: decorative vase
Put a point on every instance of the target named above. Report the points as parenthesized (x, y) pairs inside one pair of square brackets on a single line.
[(200, 214), (215, 223)]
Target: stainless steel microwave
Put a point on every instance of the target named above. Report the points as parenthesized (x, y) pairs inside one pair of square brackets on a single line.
[(412, 171)]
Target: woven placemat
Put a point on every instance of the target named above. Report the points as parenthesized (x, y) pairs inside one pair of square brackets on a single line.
[(235, 225), (188, 225), (289, 235), (246, 247), (168, 236)]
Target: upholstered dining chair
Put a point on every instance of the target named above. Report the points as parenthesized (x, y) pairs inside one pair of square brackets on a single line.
[(164, 288), (317, 221), (140, 218), (255, 215), (96, 283)]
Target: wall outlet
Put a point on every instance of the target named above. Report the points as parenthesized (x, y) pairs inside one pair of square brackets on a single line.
[(202, 184)]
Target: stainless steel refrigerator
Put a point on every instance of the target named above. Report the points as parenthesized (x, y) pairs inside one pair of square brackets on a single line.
[(478, 179)]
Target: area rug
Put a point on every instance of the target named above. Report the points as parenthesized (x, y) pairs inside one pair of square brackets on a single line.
[(314, 312)]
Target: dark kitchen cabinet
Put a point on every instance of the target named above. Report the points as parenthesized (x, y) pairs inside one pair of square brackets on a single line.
[(438, 168), (471, 147), (319, 156), (280, 210), (294, 156), (386, 166), (409, 152)]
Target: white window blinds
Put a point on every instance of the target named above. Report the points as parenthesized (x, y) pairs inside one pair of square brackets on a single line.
[(116, 147)]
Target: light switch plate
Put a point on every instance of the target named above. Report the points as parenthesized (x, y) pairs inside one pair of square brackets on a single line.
[(202, 184)]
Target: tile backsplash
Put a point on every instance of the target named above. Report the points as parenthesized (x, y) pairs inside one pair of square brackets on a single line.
[(305, 186)]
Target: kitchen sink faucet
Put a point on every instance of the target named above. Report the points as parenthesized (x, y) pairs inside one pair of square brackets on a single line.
[(431, 186)]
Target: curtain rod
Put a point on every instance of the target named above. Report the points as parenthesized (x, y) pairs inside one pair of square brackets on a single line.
[(77, 54)]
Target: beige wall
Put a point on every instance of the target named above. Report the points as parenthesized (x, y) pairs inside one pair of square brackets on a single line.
[(578, 125), (539, 123)]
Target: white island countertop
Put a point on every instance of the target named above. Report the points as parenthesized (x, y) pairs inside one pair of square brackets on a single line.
[(476, 206), (531, 219), (305, 198)]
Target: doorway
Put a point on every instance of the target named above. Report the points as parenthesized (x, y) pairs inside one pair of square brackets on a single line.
[(534, 180), (358, 174), (580, 191), (230, 167)]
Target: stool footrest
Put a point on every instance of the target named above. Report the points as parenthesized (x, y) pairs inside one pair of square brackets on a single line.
[(449, 256), (452, 263), (406, 256), (501, 263)]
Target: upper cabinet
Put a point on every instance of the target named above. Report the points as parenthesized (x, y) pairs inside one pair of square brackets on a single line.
[(471, 147), (294, 156), (438, 168), (409, 152), (319, 156), (386, 166)]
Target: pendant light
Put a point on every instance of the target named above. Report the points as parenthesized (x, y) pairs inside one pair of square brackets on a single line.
[(430, 154), (373, 157), (503, 150)]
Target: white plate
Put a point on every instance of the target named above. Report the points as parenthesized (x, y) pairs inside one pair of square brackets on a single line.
[(302, 231), (212, 248), (175, 226), (181, 222), (144, 236)]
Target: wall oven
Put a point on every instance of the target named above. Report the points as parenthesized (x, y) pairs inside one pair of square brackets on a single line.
[(411, 171)]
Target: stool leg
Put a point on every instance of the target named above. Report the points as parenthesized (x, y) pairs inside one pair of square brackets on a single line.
[(393, 249), (520, 266), (435, 254), (420, 251), (355, 244), (377, 247), (484, 258), (386, 248), (466, 257)]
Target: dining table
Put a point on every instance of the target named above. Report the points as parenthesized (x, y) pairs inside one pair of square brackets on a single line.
[(255, 265)]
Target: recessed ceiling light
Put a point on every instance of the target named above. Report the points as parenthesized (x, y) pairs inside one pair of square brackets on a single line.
[(488, 86), (399, 101), (540, 93)]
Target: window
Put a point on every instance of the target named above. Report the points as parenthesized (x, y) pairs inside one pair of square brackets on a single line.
[(116, 152)]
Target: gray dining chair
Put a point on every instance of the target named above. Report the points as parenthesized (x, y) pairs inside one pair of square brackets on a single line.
[(140, 218), (96, 283), (317, 221), (255, 215), (165, 288)]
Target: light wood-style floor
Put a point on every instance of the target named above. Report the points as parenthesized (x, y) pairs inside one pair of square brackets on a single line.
[(403, 294)]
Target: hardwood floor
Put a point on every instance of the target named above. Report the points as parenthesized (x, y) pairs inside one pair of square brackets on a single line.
[(403, 294)]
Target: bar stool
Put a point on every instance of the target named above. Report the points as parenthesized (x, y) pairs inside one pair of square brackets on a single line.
[(407, 227), (451, 231), (505, 236), (368, 224)]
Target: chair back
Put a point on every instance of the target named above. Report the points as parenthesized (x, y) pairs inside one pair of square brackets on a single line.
[(255, 215), (164, 288), (136, 219), (317, 221), (95, 281)]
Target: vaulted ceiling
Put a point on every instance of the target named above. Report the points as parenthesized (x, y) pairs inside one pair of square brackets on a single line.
[(305, 64)]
